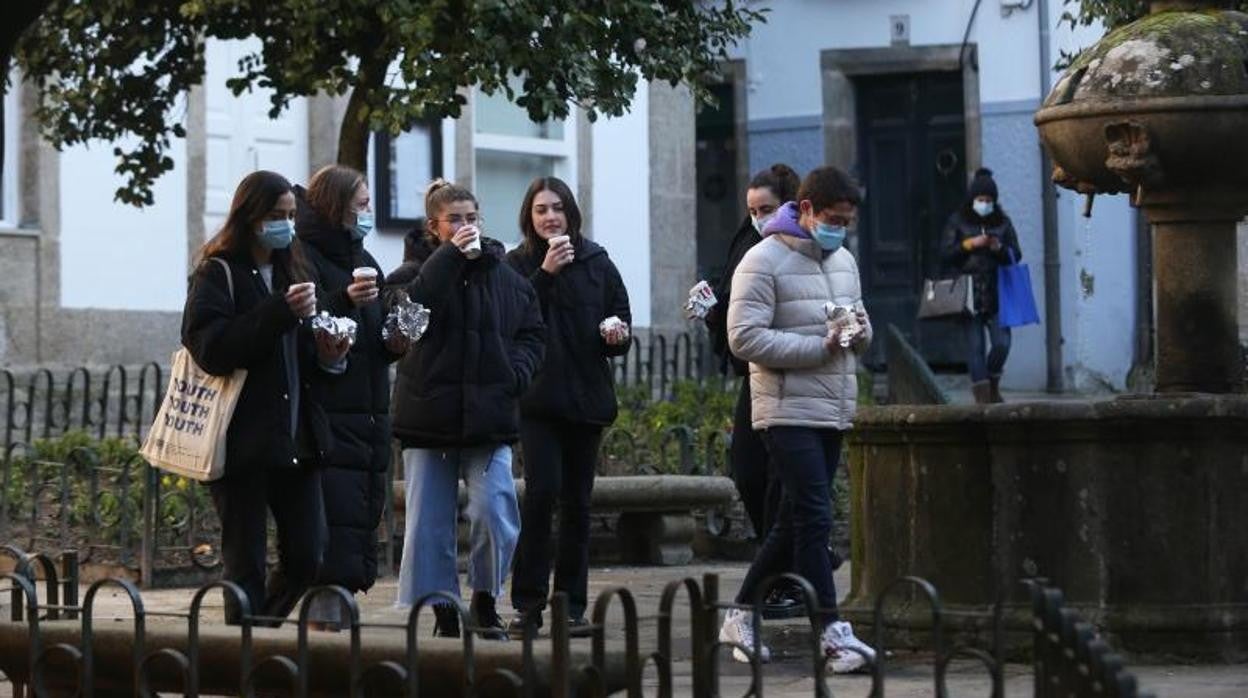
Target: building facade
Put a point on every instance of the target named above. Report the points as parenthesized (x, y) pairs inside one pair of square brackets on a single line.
[(911, 96)]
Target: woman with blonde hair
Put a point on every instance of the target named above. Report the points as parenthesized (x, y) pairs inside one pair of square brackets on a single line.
[(455, 406)]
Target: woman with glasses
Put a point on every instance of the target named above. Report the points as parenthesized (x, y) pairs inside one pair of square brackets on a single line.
[(455, 406)]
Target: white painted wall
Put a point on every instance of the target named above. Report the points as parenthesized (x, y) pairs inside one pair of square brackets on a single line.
[(621, 198), (241, 138), (782, 55), (115, 256)]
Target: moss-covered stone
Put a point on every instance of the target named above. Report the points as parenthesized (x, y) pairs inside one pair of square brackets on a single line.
[(1168, 54)]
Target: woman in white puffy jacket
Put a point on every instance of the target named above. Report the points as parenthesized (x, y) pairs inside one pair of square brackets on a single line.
[(804, 390)]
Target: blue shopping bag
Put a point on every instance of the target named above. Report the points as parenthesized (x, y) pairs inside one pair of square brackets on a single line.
[(1016, 305)]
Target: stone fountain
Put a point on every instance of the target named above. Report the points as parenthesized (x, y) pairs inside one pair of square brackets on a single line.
[(1136, 506)]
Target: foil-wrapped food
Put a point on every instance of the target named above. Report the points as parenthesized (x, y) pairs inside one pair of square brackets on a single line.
[(843, 318), (336, 327), (406, 317)]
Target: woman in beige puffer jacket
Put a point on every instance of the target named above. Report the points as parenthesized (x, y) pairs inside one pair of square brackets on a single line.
[(803, 385)]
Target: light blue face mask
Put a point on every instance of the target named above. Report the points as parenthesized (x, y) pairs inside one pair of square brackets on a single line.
[(829, 237), (276, 235), (983, 208), (363, 225)]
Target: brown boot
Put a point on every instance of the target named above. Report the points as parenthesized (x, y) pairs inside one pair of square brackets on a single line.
[(994, 390), (982, 392)]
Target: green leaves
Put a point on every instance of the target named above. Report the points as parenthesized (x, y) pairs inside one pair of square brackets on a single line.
[(117, 69)]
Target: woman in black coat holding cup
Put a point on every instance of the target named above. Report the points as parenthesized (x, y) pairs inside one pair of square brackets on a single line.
[(572, 399), (334, 218)]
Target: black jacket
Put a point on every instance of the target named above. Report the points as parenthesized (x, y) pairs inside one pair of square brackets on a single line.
[(575, 383), (356, 402), (982, 263), (459, 385), (223, 336), (717, 318)]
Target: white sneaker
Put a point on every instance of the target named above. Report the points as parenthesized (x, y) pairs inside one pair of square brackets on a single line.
[(848, 653), (738, 628)]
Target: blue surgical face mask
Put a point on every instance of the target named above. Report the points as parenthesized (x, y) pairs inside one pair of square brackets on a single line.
[(829, 237), (983, 208), (276, 235), (363, 225)]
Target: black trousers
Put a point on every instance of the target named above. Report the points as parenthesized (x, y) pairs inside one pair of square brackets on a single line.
[(757, 483), (806, 460), (560, 458), (243, 500)]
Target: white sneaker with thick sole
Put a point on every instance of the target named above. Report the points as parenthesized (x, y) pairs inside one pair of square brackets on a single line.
[(848, 653), (738, 628)]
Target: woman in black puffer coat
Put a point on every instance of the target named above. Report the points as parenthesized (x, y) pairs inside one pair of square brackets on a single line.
[(572, 399), (334, 217)]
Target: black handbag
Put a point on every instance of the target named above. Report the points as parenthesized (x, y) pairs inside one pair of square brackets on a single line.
[(946, 298)]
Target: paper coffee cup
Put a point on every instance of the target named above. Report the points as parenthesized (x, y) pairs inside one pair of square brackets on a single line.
[(473, 249), (559, 240), (364, 274)]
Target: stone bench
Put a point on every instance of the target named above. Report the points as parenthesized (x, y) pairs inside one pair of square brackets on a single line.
[(656, 524)]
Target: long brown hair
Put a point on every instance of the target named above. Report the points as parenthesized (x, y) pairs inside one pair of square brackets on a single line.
[(255, 196), (560, 188), (331, 190)]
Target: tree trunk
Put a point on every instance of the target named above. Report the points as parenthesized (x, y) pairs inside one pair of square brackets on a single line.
[(353, 136)]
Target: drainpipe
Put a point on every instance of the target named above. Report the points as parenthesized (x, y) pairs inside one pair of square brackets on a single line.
[(1048, 195)]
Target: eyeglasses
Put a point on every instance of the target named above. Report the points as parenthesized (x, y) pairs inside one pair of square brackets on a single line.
[(459, 221)]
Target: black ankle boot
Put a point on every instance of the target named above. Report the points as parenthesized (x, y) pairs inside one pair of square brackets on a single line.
[(486, 617), (446, 620)]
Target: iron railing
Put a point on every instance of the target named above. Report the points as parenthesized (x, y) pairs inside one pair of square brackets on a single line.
[(1069, 659)]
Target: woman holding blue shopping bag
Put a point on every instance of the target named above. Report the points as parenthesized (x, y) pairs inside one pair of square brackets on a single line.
[(979, 240)]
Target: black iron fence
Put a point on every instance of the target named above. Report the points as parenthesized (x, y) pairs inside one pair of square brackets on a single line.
[(53, 645)]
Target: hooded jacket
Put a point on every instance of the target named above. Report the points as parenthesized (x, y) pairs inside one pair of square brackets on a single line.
[(777, 322), (575, 383), (357, 403), (459, 386)]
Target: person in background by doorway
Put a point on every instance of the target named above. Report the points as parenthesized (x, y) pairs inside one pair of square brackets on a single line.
[(978, 238), (571, 401)]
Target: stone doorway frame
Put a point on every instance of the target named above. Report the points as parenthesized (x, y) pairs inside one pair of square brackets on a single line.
[(839, 67)]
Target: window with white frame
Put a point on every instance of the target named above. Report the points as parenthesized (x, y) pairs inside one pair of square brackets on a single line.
[(510, 150), (9, 176), (403, 167)]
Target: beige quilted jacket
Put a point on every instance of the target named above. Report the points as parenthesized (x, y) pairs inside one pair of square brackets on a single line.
[(777, 322)]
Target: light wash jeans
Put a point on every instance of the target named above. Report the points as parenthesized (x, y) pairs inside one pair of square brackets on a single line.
[(431, 477)]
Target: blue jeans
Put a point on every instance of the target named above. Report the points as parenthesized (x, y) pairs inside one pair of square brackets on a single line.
[(431, 477), (805, 460), (984, 363)]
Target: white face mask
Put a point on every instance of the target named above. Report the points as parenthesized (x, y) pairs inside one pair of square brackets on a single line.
[(762, 221), (983, 208)]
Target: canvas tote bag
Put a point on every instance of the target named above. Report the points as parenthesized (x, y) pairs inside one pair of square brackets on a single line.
[(188, 436), (944, 298)]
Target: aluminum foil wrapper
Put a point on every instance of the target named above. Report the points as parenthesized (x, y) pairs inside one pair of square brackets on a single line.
[(407, 317), (613, 326), (336, 327), (844, 318), (701, 300)]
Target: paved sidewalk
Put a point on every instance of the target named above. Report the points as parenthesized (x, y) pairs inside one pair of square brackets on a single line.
[(788, 675)]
